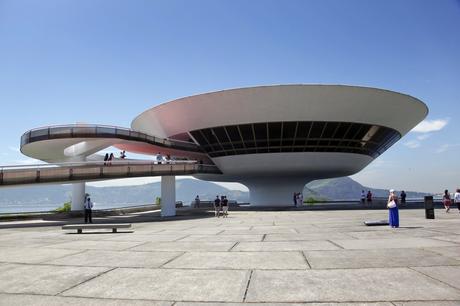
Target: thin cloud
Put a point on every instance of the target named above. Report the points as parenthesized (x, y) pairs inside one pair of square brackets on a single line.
[(446, 146), (14, 149), (423, 136), (427, 126), (412, 144)]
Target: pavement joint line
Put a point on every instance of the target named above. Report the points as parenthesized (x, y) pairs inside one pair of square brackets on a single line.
[(337, 245), (76, 253), (182, 237), (247, 286), (306, 260), (172, 259), (82, 297), (135, 246), (85, 281), (433, 278), (234, 245)]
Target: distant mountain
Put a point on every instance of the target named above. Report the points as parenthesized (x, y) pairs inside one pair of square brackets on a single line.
[(52, 196), (345, 188), (186, 190)]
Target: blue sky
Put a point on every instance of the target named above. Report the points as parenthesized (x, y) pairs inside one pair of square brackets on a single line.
[(107, 61)]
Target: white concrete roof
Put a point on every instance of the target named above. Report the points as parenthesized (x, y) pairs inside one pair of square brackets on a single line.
[(283, 103)]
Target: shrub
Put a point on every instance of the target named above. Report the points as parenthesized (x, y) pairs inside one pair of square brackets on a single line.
[(66, 207), (158, 201)]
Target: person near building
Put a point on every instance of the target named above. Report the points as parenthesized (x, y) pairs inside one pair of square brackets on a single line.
[(123, 154), (446, 200), (393, 213), (159, 158), (403, 197), (197, 201), (369, 197), (217, 207), (294, 198), (363, 196), (457, 198), (88, 210), (225, 207)]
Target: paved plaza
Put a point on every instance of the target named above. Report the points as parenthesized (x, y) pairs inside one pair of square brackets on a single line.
[(251, 257)]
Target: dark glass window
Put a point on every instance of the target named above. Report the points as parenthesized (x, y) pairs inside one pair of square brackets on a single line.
[(246, 132), (260, 130), (313, 136)]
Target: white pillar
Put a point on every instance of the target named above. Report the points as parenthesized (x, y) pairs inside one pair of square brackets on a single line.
[(274, 191), (78, 189), (78, 196), (168, 196)]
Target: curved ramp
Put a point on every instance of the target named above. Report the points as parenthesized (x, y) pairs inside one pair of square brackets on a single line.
[(67, 142), (91, 171)]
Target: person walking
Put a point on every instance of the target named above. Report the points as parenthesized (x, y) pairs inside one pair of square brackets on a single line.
[(446, 200), (300, 199), (403, 197), (295, 199), (363, 197), (159, 158), (225, 207), (393, 214), (217, 206), (111, 157), (369, 197), (457, 198), (106, 159), (88, 210), (197, 201)]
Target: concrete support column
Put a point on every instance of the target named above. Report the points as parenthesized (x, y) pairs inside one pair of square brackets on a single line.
[(78, 196), (78, 190), (168, 196), (277, 191)]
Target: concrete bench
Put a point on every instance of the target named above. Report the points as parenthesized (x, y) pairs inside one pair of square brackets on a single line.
[(376, 222), (81, 227)]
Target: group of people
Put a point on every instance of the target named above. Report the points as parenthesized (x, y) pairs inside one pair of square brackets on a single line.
[(447, 201), (221, 206), (366, 197), (298, 199), (160, 158), (109, 157)]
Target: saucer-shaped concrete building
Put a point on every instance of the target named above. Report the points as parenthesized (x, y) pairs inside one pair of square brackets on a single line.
[(273, 139), (276, 139)]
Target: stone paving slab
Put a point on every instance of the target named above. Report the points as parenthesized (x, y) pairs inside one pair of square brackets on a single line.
[(32, 255), (47, 300), (449, 275), (43, 279), (227, 238), (270, 246), (240, 260), (450, 238), (185, 246), (127, 259), (148, 238), (452, 252), (95, 245), (391, 244), (390, 234), (360, 285), (430, 303), (300, 237), (349, 259), (166, 285), (285, 304)]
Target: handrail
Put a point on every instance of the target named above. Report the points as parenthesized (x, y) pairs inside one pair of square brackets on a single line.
[(90, 171), (107, 131), (98, 163)]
